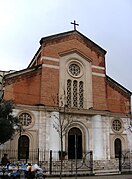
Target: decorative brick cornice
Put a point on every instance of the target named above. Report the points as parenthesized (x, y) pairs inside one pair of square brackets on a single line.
[(73, 111), (19, 75), (77, 52)]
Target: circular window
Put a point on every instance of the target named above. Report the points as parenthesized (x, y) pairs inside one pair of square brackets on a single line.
[(74, 69), (116, 125), (25, 119)]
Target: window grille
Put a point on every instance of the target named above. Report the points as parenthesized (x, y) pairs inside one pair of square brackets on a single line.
[(80, 94), (69, 93), (75, 93), (74, 69), (116, 125), (25, 119)]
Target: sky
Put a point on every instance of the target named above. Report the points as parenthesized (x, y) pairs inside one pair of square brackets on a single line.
[(106, 22)]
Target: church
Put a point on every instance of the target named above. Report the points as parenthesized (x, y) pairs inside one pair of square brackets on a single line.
[(67, 77)]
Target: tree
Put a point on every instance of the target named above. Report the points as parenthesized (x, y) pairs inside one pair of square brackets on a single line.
[(8, 122), (62, 124)]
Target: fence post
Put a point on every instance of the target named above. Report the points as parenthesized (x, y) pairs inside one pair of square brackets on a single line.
[(50, 162), (120, 162), (91, 162), (27, 156), (38, 156)]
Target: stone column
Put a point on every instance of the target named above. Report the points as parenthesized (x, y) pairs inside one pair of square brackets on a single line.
[(54, 139), (97, 137)]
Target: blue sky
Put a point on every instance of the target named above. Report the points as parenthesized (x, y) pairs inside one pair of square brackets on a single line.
[(107, 22)]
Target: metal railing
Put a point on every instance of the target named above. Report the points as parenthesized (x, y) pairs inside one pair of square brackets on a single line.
[(51, 161)]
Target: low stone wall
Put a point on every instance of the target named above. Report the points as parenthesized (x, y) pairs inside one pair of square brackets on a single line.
[(84, 168), (106, 166)]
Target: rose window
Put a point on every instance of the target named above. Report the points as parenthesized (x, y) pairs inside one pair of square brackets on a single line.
[(74, 69), (25, 119), (117, 125)]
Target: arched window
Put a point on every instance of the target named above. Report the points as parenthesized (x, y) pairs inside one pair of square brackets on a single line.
[(75, 93), (75, 100), (118, 148), (80, 94), (23, 147), (69, 93)]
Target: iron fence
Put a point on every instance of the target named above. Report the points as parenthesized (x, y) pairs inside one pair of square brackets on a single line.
[(51, 161), (125, 161)]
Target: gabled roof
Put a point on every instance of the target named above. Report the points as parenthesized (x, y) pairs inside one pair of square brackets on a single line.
[(21, 72), (119, 86), (59, 36), (68, 33)]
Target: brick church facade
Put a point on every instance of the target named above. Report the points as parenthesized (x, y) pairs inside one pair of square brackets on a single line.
[(69, 70)]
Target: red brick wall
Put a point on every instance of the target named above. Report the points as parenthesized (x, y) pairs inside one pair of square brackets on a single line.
[(42, 87), (49, 86), (99, 93), (54, 50), (24, 89), (117, 101)]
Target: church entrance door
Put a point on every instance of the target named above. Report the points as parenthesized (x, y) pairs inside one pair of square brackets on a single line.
[(23, 147), (74, 143)]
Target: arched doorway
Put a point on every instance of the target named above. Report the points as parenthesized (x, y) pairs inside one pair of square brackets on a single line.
[(74, 143), (23, 147), (118, 148)]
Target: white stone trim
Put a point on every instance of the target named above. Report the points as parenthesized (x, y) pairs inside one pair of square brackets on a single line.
[(50, 59), (51, 66), (98, 67), (98, 74)]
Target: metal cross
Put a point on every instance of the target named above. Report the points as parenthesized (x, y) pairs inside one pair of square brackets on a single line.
[(74, 23)]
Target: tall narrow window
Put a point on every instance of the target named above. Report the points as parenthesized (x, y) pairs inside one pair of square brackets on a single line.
[(75, 85), (23, 147), (69, 93), (118, 148), (75, 94), (80, 94)]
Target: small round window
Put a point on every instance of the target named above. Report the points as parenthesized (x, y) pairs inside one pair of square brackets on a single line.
[(25, 119), (74, 69), (116, 125)]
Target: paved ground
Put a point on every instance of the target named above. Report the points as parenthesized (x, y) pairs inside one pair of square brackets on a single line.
[(97, 177)]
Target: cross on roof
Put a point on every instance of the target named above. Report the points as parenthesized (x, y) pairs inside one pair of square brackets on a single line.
[(75, 24)]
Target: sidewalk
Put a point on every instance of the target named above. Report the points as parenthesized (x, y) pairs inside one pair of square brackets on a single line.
[(96, 177)]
